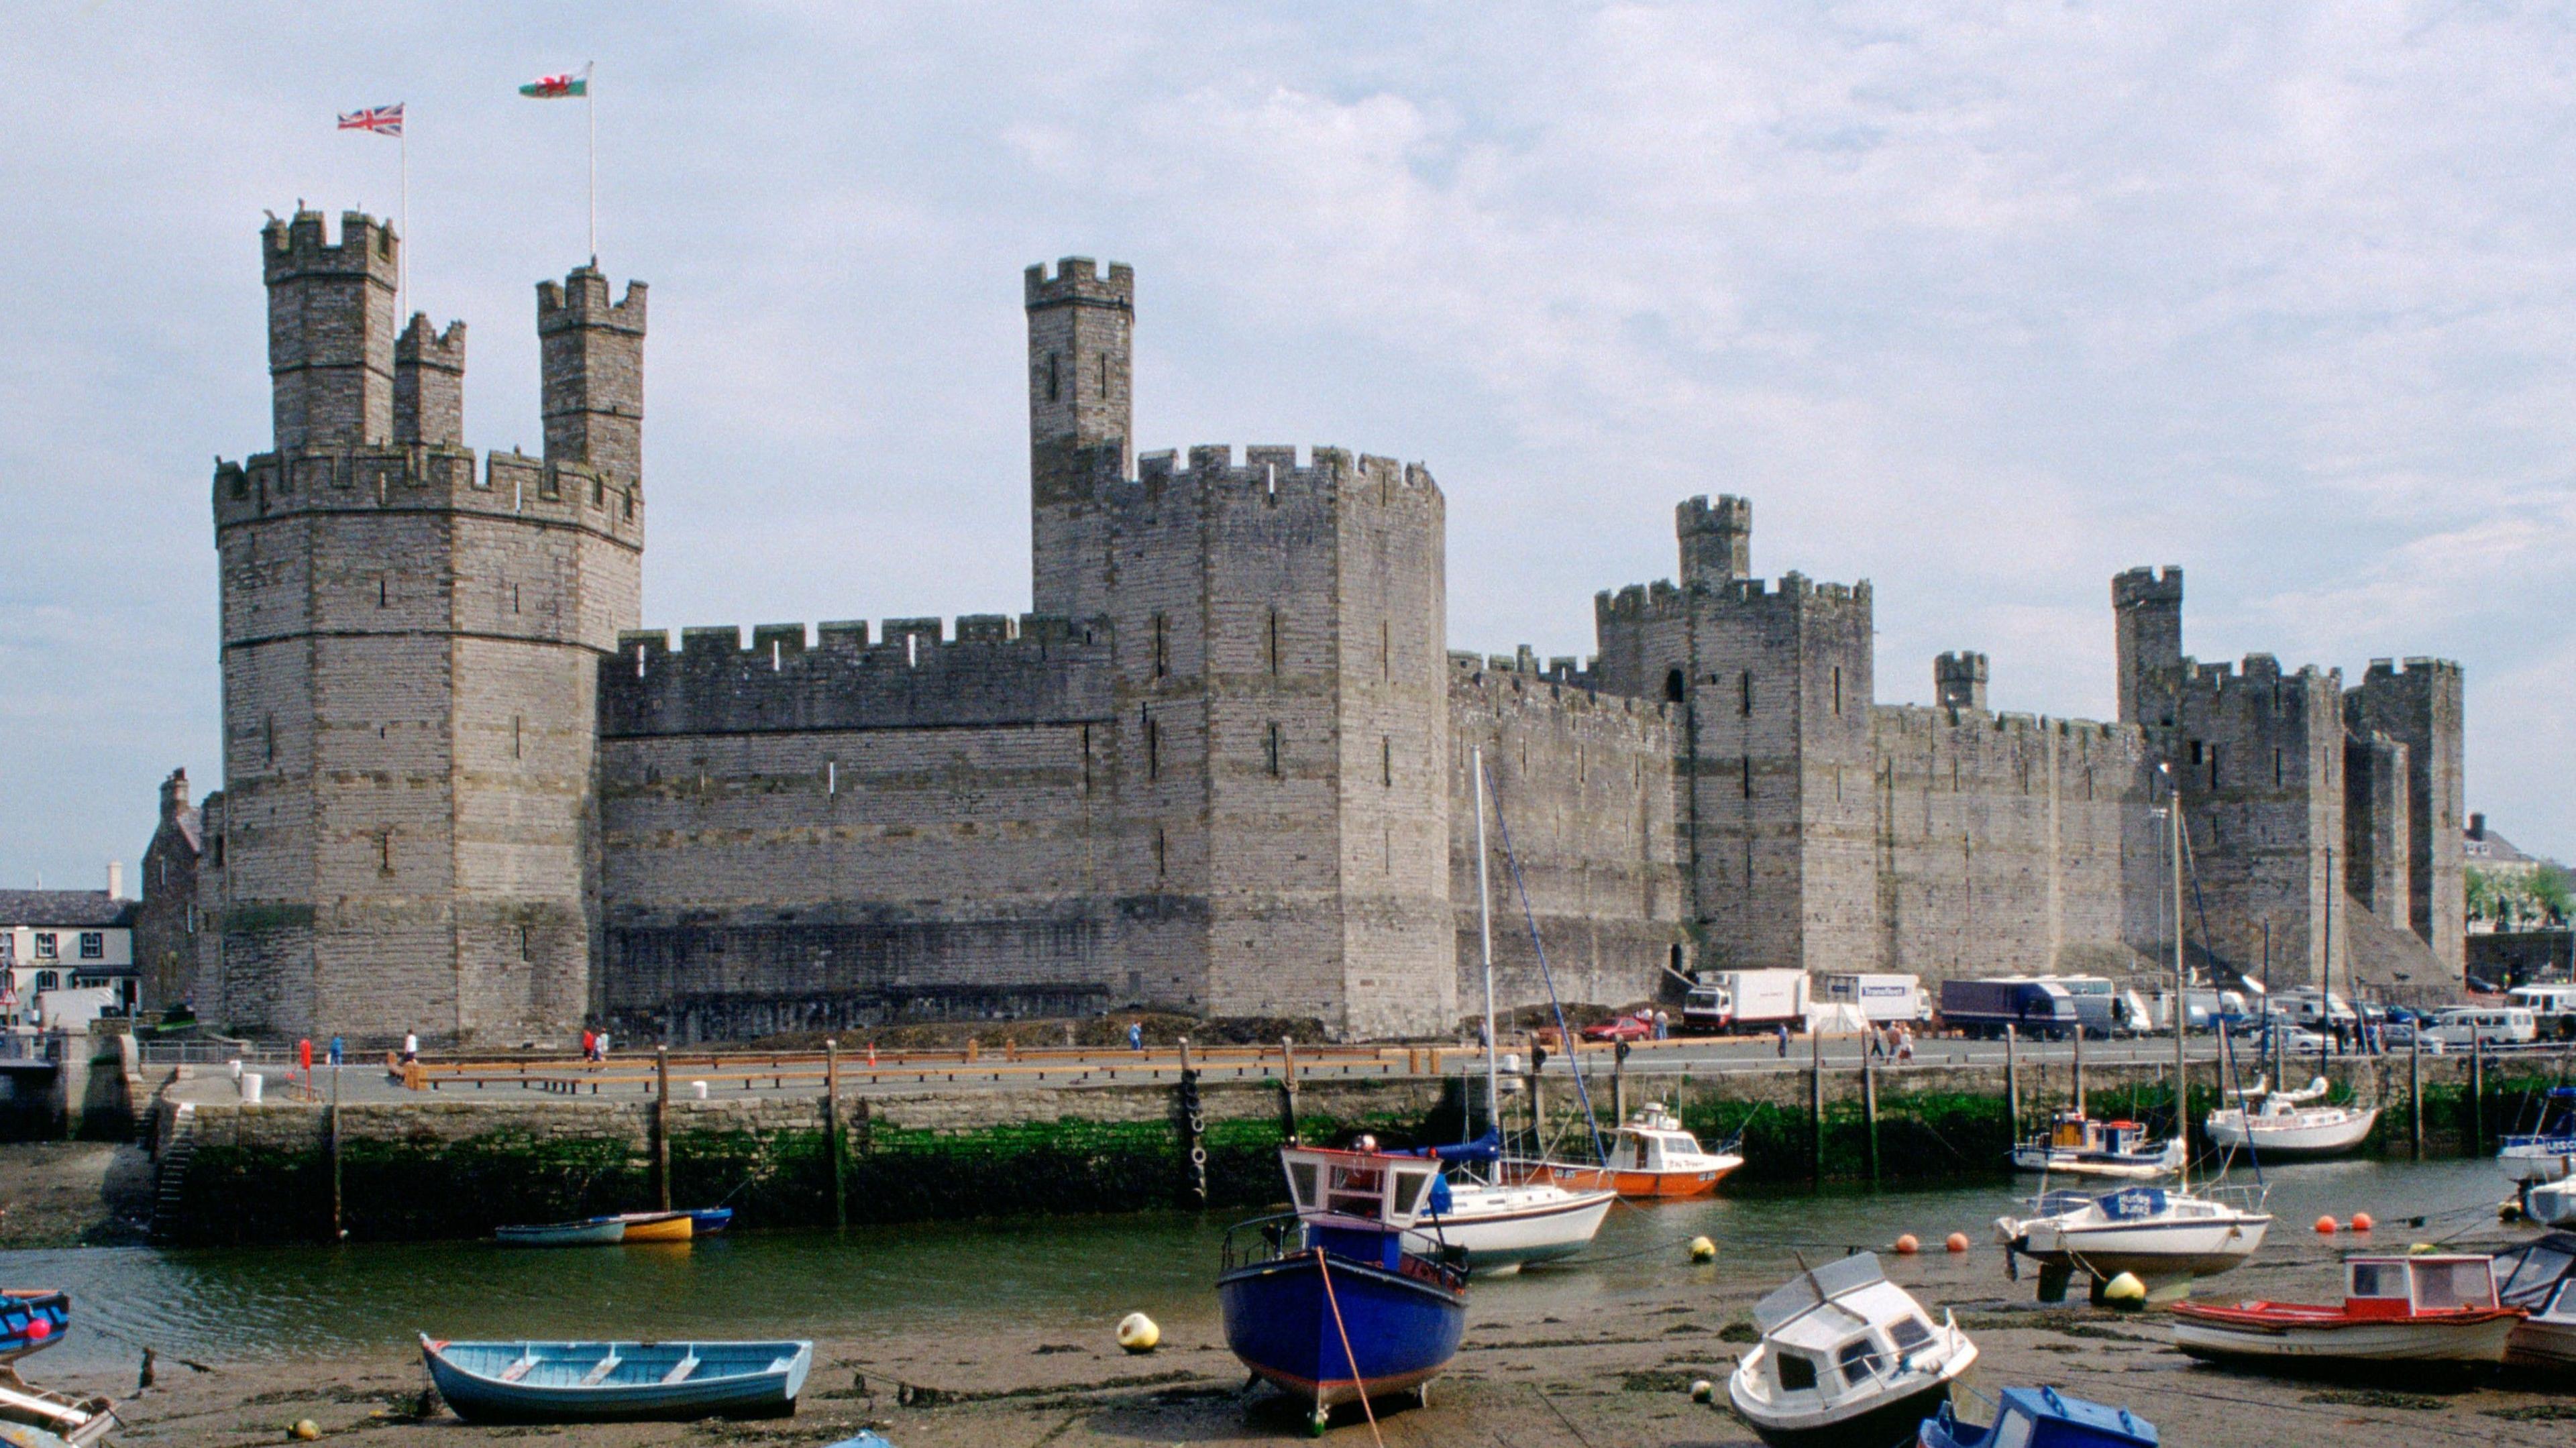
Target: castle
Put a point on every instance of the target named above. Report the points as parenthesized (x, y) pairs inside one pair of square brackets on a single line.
[(1223, 765)]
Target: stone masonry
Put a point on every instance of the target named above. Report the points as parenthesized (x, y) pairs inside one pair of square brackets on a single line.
[(1226, 765)]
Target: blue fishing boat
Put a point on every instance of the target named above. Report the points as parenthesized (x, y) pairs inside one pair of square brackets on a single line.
[(707, 1221), (32, 1321), (598, 1382), (2040, 1418), (1327, 1305), (600, 1232)]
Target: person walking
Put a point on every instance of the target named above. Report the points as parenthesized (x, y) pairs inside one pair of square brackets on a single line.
[(1878, 1042), (603, 1043), (1784, 1040), (338, 1050), (1904, 1042), (1136, 1035), (1663, 1026), (589, 1044), (411, 1048)]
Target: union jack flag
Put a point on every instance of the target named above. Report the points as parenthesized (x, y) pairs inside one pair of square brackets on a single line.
[(383, 120)]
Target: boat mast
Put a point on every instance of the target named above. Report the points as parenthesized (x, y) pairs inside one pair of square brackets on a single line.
[(2182, 984), (1485, 929)]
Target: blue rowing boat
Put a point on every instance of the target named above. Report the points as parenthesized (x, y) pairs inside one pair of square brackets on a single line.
[(707, 1221), (599, 1382), (600, 1232), (1329, 1306), (32, 1321)]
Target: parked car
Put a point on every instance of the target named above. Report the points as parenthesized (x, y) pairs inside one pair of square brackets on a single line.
[(1639, 1027)]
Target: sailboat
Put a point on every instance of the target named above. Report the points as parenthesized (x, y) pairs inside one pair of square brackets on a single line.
[(2286, 1126), (2165, 1237), (1501, 1226)]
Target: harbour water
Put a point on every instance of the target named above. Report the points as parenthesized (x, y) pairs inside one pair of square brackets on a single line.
[(1072, 1275)]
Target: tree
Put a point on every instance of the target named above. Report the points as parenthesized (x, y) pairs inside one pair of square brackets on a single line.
[(2549, 889)]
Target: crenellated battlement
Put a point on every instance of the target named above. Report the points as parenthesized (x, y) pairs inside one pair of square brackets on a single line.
[(581, 300), (1646, 602), (1924, 721), (423, 345), (1273, 472), (995, 671), (303, 248), (2431, 667), (1523, 663), (1078, 279), (2147, 585), (2254, 674), (416, 476)]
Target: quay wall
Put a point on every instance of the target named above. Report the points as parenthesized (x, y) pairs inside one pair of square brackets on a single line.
[(453, 1168)]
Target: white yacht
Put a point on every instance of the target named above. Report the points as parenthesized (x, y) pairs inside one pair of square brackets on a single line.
[(2166, 1237), (2286, 1125)]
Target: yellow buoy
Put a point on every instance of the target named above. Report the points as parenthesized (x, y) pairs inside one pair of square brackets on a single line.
[(1702, 1250), (305, 1430), (1703, 1391), (1138, 1334), (2124, 1290)]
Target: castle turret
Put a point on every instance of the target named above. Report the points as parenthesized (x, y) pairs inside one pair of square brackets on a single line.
[(1081, 337), (592, 354), (330, 330), (429, 383), (2420, 707), (1959, 681), (2147, 605), (1717, 541)]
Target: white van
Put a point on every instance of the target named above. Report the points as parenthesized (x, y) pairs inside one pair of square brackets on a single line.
[(2463, 1026), (2553, 1008)]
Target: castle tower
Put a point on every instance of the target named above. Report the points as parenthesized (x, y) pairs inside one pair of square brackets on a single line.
[(1959, 681), (592, 357), (429, 383), (409, 671), (1717, 542), (330, 330), (2420, 707), (2147, 606), (1081, 340)]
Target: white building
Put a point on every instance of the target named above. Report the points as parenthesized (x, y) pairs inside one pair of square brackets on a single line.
[(64, 940)]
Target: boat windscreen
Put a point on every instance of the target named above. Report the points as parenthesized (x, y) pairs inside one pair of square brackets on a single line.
[(1807, 1289), (2059, 1203), (2531, 1270)]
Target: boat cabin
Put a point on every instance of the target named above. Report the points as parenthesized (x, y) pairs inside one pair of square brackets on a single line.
[(1836, 1331), (1653, 1140), (1358, 1188), (2413, 1286), (2074, 1131), (2046, 1418)]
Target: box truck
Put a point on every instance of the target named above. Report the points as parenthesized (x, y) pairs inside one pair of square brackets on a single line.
[(2038, 1008), (1746, 1000), (1882, 997)]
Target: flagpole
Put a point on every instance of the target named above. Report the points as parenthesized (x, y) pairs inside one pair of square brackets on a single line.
[(590, 108), (402, 257)]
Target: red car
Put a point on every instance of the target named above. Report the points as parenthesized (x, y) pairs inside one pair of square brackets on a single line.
[(1622, 1028)]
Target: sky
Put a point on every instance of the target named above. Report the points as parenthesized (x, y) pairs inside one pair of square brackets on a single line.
[(1983, 302)]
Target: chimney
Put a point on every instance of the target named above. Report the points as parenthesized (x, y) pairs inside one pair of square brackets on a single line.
[(116, 879), (2477, 827)]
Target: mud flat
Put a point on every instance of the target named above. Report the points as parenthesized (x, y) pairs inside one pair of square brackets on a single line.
[(1615, 1374), (63, 1193)]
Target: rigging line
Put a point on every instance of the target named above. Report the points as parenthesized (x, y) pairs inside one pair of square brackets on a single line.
[(1564, 1034), (1358, 1384)]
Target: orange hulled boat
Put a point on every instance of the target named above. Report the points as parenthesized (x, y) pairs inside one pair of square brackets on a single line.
[(1651, 1156)]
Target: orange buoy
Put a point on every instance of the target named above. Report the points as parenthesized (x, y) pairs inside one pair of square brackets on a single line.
[(2325, 1226), (2361, 1222), (1906, 1246), (1958, 1242)]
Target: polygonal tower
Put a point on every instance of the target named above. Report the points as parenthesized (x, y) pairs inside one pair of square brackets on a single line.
[(1082, 329), (410, 652)]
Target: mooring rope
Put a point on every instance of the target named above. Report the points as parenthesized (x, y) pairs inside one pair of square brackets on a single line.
[(1358, 1383)]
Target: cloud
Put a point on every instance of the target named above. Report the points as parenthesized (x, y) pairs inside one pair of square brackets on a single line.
[(1982, 303)]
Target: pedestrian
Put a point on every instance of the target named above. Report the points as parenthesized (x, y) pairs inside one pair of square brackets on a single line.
[(1135, 1035), (1904, 1043), (1663, 1026), (603, 1043), (411, 1048), (1877, 1042), (338, 1051), (1784, 1040), (589, 1044)]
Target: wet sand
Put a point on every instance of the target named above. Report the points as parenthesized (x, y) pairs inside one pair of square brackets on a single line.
[(66, 1193), (1618, 1376)]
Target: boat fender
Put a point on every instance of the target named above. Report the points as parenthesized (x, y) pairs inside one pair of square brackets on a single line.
[(1702, 1250), (1137, 1333), (2361, 1222), (2326, 1226), (1703, 1391), (1907, 1244), (1957, 1242), (2125, 1290)]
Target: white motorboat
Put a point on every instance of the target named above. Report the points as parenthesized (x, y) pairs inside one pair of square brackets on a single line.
[(2552, 1203), (2550, 1153), (2286, 1125), (1504, 1228), (2078, 1145), (2540, 1278), (1847, 1359), (2430, 1309), (2165, 1237)]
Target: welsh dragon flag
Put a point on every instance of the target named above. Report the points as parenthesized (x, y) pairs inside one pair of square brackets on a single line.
[(557, 87)]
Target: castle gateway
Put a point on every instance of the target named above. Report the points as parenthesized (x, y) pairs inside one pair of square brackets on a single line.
[(1222, 766)]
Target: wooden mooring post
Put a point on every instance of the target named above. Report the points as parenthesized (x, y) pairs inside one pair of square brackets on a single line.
[(337, 1230), (1619, 1084), (2078, 1070), (2012, 1084), (1816, 1106), (2477, 1095), (1288, 1090), (2415, 1092), (832, 1141), (1869, 1110), (1193, 1130), (662, 1127)]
